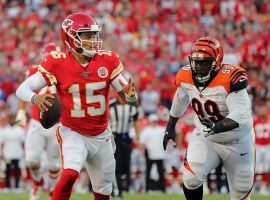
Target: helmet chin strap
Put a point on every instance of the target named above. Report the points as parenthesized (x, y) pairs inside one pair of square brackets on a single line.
[(87, 53), (203, 79)]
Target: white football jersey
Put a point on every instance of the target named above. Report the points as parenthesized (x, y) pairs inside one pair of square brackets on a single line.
[(225, 96)]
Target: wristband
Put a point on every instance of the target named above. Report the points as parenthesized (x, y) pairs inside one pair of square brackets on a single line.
[(34, 98), (132, 98)]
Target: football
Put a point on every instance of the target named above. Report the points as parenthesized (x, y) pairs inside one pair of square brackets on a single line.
[(52, 116)]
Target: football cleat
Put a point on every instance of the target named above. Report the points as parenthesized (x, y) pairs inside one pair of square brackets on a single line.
[(36, 190)]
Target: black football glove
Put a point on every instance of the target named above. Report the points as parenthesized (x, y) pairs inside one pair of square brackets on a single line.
[(170, 134), (213, 128), (210, 130)]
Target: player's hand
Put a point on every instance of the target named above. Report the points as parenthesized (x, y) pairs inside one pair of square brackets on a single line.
[(129, 89), (42, 103), (210, 126), (169, 138), (21, 118)]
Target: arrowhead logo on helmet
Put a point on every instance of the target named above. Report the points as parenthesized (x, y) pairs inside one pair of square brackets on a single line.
[(67, 23)]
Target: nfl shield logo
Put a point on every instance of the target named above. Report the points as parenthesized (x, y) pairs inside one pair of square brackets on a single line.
[(102, 72), (85, 74)]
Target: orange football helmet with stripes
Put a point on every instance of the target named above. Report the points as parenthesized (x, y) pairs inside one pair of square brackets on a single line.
[(205, 59)]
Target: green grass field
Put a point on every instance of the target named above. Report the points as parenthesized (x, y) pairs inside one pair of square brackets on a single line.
[(24, 196)]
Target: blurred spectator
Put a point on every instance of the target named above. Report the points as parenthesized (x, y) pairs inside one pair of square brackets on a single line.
[(150, 99), (12, 138), (151, 138), (138, 170), (13, 102)]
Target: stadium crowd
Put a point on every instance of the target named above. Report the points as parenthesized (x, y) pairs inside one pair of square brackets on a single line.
[(153, 39)]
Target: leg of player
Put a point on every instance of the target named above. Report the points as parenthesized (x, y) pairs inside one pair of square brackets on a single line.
[(73, 154), (201, 158), (193, 194), (34, 145), (53, 156), (64, 185), (118, 188), (239, 166), (101, 165)]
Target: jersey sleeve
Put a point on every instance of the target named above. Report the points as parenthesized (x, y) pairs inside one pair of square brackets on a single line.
[(46, 68), (238, 80), (178, 79), (184, 75), (239, 106), (180, 103), (117, 66)]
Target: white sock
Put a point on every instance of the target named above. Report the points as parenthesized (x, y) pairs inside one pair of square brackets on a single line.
[(36, 174)]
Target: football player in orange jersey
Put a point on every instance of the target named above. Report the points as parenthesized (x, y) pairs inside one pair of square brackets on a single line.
[(39, 139), (223, 122), (82, 78)]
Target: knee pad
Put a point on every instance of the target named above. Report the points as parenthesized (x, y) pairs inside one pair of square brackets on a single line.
[(193, 182), (243, 179), (197, 154), (32, 158), (54, 173), (73, 161), (33, 164), (104, 186), (105, 189), (54, 166)]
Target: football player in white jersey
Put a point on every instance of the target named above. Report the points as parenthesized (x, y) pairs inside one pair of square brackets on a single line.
[(224, 128), (39, 139)]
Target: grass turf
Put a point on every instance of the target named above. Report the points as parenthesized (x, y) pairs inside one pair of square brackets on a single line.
[(24, 196)]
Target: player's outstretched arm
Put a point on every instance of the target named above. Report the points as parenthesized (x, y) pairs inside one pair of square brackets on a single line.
[(179, 106)]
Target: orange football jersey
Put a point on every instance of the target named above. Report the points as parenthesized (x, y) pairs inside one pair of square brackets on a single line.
[(211, 100)]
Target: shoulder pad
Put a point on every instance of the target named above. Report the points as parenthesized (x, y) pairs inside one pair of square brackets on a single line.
[(106, 54), (57, 55), (232, 77), (183, 75), (238, 80)]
